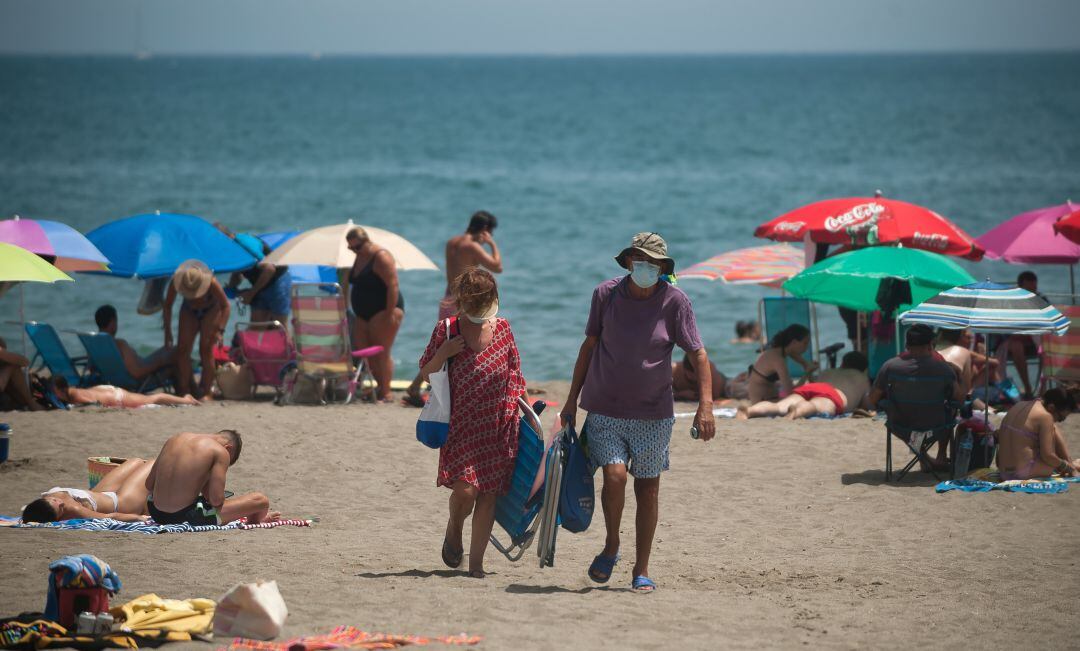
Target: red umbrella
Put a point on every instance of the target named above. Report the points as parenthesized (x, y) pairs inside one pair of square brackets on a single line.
[(1069, 226), (861, 221)]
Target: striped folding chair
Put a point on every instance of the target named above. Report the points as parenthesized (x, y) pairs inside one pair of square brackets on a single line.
[(324, 352), (1061, 354)]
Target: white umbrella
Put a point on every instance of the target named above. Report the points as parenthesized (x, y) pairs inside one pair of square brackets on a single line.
[(326, 246)]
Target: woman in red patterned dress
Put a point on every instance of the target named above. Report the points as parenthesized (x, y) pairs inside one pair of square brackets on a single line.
[(485, 382)]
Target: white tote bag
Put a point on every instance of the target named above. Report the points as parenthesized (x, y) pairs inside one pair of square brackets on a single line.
[(252, 610), (434, 423)]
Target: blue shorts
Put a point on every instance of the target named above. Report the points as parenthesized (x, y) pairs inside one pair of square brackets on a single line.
[(274, 298), (641, 445)]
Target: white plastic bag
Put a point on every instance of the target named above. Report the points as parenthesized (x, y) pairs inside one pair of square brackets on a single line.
[(252, 610), (433, 426)]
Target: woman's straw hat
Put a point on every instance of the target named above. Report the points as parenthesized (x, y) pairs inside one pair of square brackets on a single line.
[(653, 246), (192, 279)]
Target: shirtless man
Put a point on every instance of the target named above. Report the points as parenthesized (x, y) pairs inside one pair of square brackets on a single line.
[(120, 495), (684, 381), (109, 396), (1030, 443), (139, 367), (835, 391), (187, 482), (463, 251), (959, 356)]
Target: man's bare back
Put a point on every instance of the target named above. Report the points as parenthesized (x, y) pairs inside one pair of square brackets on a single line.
[(467, 250), (853, 384), (190, 465)]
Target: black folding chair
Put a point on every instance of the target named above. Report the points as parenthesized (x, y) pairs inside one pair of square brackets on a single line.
[(920, 411)]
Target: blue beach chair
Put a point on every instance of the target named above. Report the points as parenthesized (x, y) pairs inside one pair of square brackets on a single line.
[(108, 365), (53, 355), (777, 313), (524, 515)]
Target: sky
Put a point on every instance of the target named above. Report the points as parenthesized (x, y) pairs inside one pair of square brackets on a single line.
[(542, 27)]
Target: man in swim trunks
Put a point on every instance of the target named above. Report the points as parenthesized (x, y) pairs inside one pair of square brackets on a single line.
[(120, 495), (836, 391), (187, 482), (463, 251), (1030, 443), (139, 367)]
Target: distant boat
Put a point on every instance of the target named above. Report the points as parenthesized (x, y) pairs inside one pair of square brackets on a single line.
[(315, 56)]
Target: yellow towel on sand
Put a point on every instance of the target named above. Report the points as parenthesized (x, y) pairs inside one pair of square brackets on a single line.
[(152, 613)]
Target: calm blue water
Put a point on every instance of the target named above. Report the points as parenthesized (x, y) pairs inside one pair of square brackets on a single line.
[(574, 155)]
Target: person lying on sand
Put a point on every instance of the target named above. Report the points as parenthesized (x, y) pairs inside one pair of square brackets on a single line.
[(684, 382), (836, 391), (109, 396), (120, 495), (187, 482)]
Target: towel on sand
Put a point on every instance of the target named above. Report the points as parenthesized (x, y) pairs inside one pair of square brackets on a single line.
[(348, 637), (108, 524), (152, 613), (983, 480)]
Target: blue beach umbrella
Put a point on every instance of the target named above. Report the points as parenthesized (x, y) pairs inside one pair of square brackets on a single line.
[(301, 273), (153, 246), (989, 307)]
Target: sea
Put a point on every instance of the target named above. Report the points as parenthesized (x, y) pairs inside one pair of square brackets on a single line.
[(572, 154)]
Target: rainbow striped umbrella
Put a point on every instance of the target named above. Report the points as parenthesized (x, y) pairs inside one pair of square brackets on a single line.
[(759, 265), (70, 248)]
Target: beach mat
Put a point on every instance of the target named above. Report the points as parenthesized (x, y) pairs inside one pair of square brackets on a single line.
[(108, 524), (984, 480), (348, 637)]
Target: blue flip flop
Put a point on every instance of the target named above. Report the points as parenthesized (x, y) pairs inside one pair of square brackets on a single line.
[(604, 565), (643, 584)]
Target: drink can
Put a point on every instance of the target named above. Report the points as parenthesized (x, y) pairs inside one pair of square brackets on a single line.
[(104, 624), (694, 433), (86, 623)]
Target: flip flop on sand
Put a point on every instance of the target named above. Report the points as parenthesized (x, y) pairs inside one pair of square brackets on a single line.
[(602, 567), (643, 584), (452, 557)]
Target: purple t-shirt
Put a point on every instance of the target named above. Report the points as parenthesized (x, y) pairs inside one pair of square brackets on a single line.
[(630, 371)]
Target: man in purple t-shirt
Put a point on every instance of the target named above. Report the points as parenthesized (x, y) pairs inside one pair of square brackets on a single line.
[(623, 377)]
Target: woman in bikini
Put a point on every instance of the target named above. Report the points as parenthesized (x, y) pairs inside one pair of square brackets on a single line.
[(107, 395), (120, 495), (771, 365), (1030, 443), (377, 303), (203, 314)]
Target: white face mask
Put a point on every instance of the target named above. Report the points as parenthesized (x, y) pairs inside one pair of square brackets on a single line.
[(644, 274)]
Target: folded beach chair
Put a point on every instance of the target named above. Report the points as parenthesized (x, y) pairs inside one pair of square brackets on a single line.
[(529, 511), (107, 365), (1061, 355), (324, 352), (266, 348), (53, 355), (919, 411), (777, 313)]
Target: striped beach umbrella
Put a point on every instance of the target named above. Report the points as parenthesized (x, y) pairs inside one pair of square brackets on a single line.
[(759, 265), (989, 307)]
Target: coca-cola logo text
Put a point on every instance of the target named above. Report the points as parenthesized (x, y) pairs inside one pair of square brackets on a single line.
[(931, 240), (858, 215), (789, 227)]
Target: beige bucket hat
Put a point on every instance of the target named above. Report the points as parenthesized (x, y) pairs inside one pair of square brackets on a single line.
[(653, 246), (192, 279)]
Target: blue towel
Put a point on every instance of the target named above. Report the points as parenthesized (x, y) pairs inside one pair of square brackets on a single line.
[(107, 524), (1045, 487), (82, 571)]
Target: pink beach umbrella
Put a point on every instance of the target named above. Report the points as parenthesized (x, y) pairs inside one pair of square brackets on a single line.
[(69, 248), (1030, 238)]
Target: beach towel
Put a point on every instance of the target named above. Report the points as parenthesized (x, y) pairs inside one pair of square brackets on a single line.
[(151, 613), (719, 412), (989, 479), (108, 524), (347, 637), (34, 634)]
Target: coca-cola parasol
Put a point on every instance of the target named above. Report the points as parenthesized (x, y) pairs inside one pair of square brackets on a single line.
[(1069, 226), (866, 221)]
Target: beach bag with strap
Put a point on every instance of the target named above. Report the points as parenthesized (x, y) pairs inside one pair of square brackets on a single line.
[(578, 498), (433, 426), (252, 610)]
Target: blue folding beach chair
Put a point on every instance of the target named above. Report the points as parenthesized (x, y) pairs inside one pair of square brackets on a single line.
[(108, 365), (777, 313), (526, 515), (53, 355)]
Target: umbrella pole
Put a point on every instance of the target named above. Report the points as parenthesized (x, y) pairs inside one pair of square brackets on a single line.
[(22, 321), (1072, 284)]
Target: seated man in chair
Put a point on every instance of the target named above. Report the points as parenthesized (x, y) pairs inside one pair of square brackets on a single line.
[(138, 367), (920, 360)]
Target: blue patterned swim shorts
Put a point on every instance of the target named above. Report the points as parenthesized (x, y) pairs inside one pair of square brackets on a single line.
[(641, 445)]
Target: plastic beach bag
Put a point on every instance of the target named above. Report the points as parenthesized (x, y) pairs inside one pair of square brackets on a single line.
[(433, 426), (252, 610), (578, 498)]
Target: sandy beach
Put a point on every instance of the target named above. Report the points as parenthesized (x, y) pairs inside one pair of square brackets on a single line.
[(775, 535)]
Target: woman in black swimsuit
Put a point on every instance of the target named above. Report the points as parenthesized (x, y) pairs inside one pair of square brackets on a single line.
[(203, 314), (377, 303), (771, 365)]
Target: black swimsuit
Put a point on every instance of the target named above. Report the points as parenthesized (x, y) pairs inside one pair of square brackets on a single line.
[(368, 292), (771, 377)]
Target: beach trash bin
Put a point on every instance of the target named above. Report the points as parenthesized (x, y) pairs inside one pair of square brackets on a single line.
[(98, 467), (79, 584)]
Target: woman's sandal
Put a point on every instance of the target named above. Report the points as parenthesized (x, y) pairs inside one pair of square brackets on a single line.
[(452, 557), (643, 584), (602, 567)]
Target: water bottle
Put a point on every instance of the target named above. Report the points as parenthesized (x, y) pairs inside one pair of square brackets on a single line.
[(963, 455), (5, 441)]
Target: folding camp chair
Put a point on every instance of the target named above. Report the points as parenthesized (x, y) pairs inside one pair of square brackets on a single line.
[(323, 350), (53, 355), (779, 312), (1061, 355), (107, 365), (919, 411), (529, 511), (266, 349)]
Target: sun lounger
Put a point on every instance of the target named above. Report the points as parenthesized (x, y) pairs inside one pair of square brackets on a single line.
[(1061, 355), (108, 367), (53, 355)]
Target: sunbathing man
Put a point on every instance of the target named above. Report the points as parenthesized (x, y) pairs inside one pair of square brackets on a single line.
[(187, 482), (120, 495), (836, 391), (1030, 442), (109, 396), (161, 359), (684, 382)]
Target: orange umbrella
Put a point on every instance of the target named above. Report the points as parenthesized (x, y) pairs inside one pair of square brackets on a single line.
[(759, 265)]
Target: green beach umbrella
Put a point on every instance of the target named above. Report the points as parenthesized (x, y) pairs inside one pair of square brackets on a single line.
[(19, 265), (852, 279)]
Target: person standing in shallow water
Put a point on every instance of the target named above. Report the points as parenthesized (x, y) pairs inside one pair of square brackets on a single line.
[(623, 377), (477, 460)]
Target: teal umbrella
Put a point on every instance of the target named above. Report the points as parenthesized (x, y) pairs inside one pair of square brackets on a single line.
[(853, 279)]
